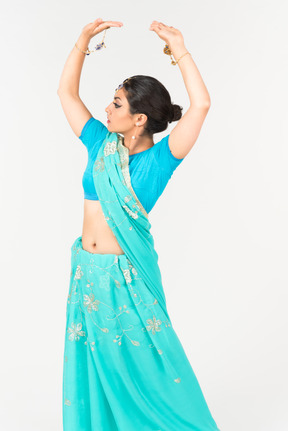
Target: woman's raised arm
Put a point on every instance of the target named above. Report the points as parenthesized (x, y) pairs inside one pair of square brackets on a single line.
[(184, 135), (68, 91)]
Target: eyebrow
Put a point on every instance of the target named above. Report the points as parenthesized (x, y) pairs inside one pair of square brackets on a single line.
[(117, 98)]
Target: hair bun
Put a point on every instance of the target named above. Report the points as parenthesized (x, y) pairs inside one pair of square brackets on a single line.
[(176, 113)]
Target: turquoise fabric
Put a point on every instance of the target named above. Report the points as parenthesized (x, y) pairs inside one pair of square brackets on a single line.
[(124, 365), (150, 170)]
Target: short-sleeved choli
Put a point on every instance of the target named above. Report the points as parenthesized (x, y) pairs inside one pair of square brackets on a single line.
[(150, 170)]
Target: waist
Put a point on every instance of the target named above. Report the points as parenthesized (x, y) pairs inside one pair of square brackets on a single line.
[(97, 236)]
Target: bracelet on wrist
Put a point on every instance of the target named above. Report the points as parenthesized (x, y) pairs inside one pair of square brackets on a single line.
[(168, 51), (97, 47)]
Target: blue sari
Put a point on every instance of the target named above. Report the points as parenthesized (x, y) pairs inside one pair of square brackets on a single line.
[(124, 365)]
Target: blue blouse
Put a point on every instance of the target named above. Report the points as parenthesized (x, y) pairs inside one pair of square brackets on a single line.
[(150, 170)]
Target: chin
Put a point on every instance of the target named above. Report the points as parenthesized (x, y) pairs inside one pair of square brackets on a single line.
[(109, 127)]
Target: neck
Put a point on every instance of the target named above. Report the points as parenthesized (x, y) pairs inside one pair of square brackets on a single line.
[(134, 146)]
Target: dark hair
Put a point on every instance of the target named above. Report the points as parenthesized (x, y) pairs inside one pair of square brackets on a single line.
[(147, 95)]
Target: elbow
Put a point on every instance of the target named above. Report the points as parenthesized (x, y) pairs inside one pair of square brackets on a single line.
[(60, 91), (207, 103), (203, 104)]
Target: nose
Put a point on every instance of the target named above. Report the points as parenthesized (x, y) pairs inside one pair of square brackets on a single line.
[(107, 108)]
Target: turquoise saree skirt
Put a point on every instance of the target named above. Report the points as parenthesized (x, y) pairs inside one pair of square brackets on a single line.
[(115, 375)]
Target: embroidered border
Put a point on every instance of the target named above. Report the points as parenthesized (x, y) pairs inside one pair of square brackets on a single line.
[(124, 160)]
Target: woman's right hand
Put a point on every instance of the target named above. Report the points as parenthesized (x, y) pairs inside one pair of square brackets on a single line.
[(95, 27)]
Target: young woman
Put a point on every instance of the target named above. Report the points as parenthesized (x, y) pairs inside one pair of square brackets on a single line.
[(124, 366)]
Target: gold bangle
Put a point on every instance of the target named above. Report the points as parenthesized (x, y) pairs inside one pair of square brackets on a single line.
[(182, 56), (169, 52), (97, 47), (87, 52)]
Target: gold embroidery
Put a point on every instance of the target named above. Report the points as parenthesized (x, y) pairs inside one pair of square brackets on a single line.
[(75, 332), (133, 215), (127, 275), (99, 165), (119, 337), (153, 325), (124, 159), (91, 343), (90, 303), (110, 148), (78, 273)]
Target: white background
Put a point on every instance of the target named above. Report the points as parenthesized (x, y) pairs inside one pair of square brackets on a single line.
[(220, 227)]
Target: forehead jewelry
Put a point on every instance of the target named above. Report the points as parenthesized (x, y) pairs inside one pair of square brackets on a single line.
[(122, 85), (97, 47)]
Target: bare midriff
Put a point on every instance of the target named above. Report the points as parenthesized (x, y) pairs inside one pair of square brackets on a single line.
[(97, 236)]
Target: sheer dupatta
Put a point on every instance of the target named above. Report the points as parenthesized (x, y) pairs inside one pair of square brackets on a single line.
[(125, 214)]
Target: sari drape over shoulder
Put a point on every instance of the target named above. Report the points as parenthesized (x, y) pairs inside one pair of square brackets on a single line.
[(125, 214)]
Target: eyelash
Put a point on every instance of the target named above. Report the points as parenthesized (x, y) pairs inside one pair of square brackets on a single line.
[(116, 106)]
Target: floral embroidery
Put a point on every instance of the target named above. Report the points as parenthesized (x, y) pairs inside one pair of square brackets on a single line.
[(110, 148), (90, 303), (132, 267), (127, 275), (153, 325), (99, 165), (75, 332), (97, 314), (78, 273), (133, 215), (124, 159)]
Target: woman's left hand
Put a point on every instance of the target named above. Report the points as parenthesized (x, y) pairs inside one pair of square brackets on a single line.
[(170, 35)]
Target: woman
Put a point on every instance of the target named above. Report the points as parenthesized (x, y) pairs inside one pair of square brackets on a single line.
[(124, 366)]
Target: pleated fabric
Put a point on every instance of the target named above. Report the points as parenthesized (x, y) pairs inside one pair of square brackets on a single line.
[(115, 376)]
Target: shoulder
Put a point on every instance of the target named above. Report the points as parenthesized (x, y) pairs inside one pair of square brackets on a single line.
[(94, 131), (164, 156)]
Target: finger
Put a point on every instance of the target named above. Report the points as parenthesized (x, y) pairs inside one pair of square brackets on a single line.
[(108, 24), (101, 20), (154, 25), (158, 23), (112, 22), (154, 28)]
